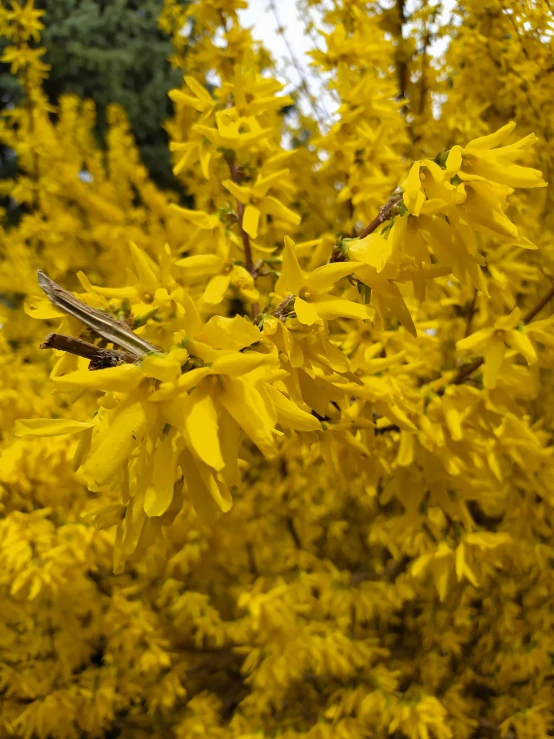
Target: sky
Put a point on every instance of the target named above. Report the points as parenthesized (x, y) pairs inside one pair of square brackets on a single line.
[(265, 21), (261, 17)]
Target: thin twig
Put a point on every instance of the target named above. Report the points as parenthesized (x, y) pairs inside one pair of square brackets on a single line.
[(466, 371), (528, 317), (104, 325), (389, 574), (470, 313), (245, 238), (282, 308), (296, 64), (99, 357), (384, 215)]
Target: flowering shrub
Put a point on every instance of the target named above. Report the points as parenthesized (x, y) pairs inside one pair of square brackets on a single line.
[(280, 463)]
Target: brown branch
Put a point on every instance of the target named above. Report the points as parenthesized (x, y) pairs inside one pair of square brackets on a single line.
[(528, 317), (389, 574), (99, 358), (466, 371), (116, 332), (292, 532), (384, 215), (470, 313), (245, 238), (282, 308)]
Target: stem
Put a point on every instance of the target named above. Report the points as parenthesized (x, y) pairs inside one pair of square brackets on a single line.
[(245, 238), (528, 317), (470, 313), (103, 324), (99, 358), (281, 309), (384, 215), (466, 371)]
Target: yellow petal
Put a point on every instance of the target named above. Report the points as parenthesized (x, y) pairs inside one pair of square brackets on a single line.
[(83, 449), (186, 382), (208, 497), (160, 493), (291, 278), (289, 415), (245, 404), (521, 343), (229, 439), (242, 194), (121, 379), (494, 354), (263, 184), (216, 289), (50, 426), (509, 321), (412, 183), (239, 363), (42, 309), (201, 425), (229, 333), (134, 524), (475, 341), (306, 312), (405, 455), (192, 321), (200, 92), (276, 208), (199, 266), (161, 368), (250, 221), (453, 418), (145, 273), (493, 139), (323, 278), (329, 308), (127, 427)]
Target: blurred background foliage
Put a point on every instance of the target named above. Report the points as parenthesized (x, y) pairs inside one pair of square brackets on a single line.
[(110, 51)]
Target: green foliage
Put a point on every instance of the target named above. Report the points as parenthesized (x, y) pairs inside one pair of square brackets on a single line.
[(113, 52)]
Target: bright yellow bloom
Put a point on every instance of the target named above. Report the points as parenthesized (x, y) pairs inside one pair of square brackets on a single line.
[(313, 302), (257, 202), (492, 343)]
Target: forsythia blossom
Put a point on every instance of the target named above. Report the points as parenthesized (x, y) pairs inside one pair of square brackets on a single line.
[(280, 462)]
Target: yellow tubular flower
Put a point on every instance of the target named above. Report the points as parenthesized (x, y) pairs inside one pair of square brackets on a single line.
[(259, 203), (252, 488), (492, 343), (313, 302)]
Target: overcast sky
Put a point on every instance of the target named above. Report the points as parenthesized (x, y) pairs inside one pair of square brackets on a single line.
[(261, 17)]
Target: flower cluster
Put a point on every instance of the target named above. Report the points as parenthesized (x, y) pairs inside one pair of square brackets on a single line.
[(279, 462)]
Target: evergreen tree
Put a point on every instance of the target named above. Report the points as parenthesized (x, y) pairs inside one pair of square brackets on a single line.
[(113, 52)]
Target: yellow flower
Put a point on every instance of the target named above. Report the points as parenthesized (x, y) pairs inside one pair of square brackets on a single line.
[(479, 159), (313, 302), (259, 203), (492, 343), (233, 131), (222, 274)]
